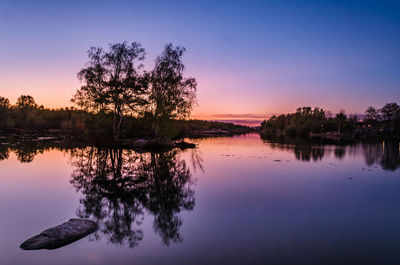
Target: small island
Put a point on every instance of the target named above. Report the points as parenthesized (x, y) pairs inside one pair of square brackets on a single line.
[(119, 104)]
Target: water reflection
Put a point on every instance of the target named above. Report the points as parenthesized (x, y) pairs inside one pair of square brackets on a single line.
[(339, 152), (26, 153), (4, 152), (247, 208), (308, 152), (386, 153), (119, 186)]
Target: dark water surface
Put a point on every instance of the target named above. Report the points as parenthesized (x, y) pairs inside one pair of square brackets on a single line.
[(233, 200)]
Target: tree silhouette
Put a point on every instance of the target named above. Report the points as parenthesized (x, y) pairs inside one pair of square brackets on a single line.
[(391, 113), (112, 82), (4, 103), (4, 107), (26, 102), (171, 94), (371, 113), (340, 119)]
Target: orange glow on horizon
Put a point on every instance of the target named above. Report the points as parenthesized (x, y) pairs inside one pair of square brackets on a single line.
[(54, 89)]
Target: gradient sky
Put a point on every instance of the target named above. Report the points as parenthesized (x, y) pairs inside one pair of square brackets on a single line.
[(249, 57)]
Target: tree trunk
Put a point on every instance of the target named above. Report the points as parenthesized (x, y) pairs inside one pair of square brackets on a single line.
[(114, 125), (155, 128), (119, 128)]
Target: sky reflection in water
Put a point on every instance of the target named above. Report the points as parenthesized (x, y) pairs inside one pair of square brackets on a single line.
[(237, 200)]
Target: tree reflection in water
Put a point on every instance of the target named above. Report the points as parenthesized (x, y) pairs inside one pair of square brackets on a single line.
[(26, 153), (340, 152), (385, 153), (306, 152), (4, 152), (119, 186)]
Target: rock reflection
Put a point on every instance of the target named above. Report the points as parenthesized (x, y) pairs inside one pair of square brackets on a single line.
[(119, 186)]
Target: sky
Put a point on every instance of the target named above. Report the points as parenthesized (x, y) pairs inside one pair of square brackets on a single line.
[(251, 59)]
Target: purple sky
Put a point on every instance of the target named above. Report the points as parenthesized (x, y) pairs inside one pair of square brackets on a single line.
[(249, 57)]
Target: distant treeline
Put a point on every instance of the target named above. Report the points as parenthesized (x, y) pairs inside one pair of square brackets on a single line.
[(26, 116), (307, 121)]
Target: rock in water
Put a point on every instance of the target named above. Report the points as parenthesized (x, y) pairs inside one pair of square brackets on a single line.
[(185, 145), (61, 235), (140, 143)]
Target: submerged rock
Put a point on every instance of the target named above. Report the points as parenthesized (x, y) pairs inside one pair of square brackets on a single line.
[(216, 131), (46, 138), (161, 144), (157, 145), (140, 143), (60, 235), (185, 145)]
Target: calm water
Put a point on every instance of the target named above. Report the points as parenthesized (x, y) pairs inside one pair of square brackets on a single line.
[(236, 200)]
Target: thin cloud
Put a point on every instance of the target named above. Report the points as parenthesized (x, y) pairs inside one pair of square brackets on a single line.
[(242, 122), (242, 115)]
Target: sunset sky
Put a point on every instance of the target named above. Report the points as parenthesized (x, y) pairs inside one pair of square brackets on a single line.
[(250, 58)]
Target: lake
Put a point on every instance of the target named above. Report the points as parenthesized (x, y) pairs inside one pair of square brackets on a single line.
[(232, 200)]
